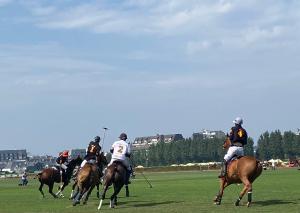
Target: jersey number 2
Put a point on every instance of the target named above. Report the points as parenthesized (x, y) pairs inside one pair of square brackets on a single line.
[(120, 150)]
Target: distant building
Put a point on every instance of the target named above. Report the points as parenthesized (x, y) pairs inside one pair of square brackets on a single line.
[(297, 132), (146, 142), (74, 153), (10, 155), (208, 134)]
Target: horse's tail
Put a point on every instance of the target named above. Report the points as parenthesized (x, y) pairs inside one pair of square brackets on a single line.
[(257, 171), (258, 167)]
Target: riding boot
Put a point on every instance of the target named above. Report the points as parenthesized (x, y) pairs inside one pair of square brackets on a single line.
[(223, 170)]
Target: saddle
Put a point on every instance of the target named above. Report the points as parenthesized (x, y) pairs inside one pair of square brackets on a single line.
[(234, 158), (117, 162)]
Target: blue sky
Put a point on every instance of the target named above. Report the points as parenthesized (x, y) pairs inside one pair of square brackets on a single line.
[(68, 68)]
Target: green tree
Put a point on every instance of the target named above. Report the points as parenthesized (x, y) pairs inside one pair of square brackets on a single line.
[(248, 149)]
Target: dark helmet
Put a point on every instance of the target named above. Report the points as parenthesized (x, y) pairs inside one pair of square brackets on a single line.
[(97, 139), (123, 136)]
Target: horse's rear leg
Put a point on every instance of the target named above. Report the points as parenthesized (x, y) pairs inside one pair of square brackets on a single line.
[(113, 198), (249, 198), (247, 188), (88, 193), (51, 190), (79, 194), (41, 189), (127, 191), (98, 193)]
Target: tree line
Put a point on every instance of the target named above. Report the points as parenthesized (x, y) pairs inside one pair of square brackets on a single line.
[(184, 151), (269, 145), (278, 146)]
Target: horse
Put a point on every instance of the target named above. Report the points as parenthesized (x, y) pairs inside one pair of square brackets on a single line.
[(115, 175), (49, 176), (87, 178), (244, 169)]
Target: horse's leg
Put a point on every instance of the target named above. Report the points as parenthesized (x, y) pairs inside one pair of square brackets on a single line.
[(78, 195), (249, 198), (115, 201), (73, 194), (59, 192), (61, 188), (113, 198), (127, 191), (223, 185), (98, 193), (51, 190), (41, 189), (88, 193), (247, 187), (105, 187)]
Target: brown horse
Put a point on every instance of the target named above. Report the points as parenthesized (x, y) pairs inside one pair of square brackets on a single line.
[(87, 178), (49, 176), (244, 170), (115, 175)]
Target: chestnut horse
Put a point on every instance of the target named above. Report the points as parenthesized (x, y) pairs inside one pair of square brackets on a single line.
[(115, 175), (49, 176), (244, 170), (87, 178)]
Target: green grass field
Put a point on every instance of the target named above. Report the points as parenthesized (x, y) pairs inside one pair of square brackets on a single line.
[(273, 191)]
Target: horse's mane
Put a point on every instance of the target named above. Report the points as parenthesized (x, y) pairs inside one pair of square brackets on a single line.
[(71, 166)]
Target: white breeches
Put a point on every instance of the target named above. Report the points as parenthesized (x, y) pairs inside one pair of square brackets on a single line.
[(92, 161), (63, 166), (125, 162), (233, 150)]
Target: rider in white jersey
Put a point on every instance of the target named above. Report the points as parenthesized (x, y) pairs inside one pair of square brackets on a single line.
[(120, 152)]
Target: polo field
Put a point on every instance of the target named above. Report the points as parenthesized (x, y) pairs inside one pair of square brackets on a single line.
[(185, 191)]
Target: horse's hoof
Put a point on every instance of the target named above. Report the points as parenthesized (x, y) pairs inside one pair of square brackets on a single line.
[(218, 203), (75, 202), (112, 205), (237, 203), (248, 204)]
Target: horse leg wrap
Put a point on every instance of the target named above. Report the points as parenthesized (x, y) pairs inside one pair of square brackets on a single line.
[(218, 199), (250, 196), (237, 202)]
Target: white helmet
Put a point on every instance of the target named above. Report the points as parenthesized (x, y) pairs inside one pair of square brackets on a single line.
[(238, 120)]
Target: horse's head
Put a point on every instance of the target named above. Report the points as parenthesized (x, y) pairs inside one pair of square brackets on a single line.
[(75, 162), (227, 143), (101, 159)]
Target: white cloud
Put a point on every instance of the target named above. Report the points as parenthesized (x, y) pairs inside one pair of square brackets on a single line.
[(255, 34), (193, 47), (142, 17)]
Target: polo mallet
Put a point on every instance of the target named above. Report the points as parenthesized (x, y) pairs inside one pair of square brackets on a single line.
[(150, 185), (104, 128)]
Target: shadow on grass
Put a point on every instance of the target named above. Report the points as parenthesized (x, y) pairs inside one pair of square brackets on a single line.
[(274, 202), (149, 204), (139, 203)]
